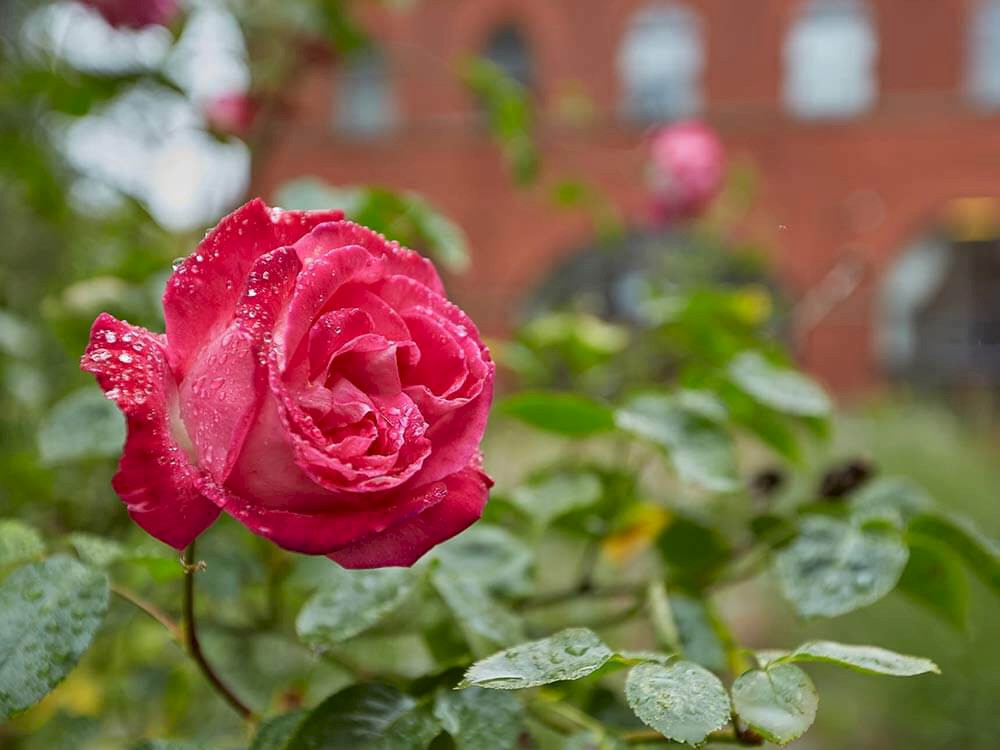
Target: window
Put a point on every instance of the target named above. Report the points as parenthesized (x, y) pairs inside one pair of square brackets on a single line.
[(983, 75), (508, 50), (365, 104), (830, 58), (939, 313), (660, 64)]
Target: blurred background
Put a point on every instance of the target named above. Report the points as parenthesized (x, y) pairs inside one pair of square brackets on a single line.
[(844, 190)]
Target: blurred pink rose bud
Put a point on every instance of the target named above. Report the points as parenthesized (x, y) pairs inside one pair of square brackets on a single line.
[(231, 113), (687, 168), (135, 14)]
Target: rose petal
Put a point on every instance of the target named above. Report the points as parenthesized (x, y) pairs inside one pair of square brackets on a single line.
[(444, 369), (331, 333), (155, 479), (394, 258), (224, 387), (407, 540), (455, 436), (325, 531), (319, 280), (201, 295)]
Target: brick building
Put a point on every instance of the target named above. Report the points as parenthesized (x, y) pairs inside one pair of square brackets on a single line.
[(873, 125)]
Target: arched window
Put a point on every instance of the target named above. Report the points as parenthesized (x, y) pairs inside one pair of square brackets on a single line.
[(365, 105), (508, 49), (660, 63), (983, 75), (830, 60)]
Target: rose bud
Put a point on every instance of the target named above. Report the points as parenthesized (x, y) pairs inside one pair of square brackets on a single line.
[(231, 113), (135, 14), (314, 383), (687, 170)]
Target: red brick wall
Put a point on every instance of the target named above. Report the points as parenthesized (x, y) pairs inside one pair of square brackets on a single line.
[(863, 187)]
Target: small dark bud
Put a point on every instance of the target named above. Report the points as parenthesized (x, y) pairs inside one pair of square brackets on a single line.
[(749, 737), (767, 482), (845, 478)]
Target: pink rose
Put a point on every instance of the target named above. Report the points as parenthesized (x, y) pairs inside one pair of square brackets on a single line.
[(687, 170), (135, 14), (231, 113), (314, 383)]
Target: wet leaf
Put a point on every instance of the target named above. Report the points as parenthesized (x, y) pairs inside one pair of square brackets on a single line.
[(779, 703), (682, 701), (51, 611)]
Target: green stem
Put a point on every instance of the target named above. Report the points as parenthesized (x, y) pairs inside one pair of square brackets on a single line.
[(651, 736), (194, 645)]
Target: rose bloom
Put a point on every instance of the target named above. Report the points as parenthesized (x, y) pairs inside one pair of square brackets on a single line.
[(231, 113), (135, 14), (313, 382), (687, 170)]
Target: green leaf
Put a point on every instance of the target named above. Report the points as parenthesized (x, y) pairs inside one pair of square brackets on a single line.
[(478, 718), (275, 732), (694, 551), (780, 388), (568, 655), (19, 542), (703, 403), (779, 703), (483, 550), (481, 617), (82, 425), (510, 115), (560, 413), (700, 449), (934, 577), (51, 611), (890, 497), (557, 494), (367, 717), (699, 639), (868, 659), (171, 745), (95, 550), (682, 701), (405, 217), (358, 600), (833, 567), (661, 616), (980, 553)]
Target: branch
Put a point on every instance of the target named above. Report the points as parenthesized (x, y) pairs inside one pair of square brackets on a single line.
[(150, 609)]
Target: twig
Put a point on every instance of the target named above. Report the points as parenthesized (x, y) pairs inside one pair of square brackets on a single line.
[(150, 609), (563, 595), (191, 568)]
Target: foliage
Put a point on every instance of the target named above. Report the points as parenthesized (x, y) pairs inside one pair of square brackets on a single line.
[(650, 469)]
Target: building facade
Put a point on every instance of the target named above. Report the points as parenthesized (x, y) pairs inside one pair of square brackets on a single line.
[(873, 127)]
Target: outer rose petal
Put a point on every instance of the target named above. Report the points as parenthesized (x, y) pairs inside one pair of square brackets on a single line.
[(322, 532), (226, 383), (201, 296), (155, 480), (406, 542)]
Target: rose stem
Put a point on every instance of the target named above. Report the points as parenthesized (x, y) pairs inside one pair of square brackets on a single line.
[(194, 645)]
